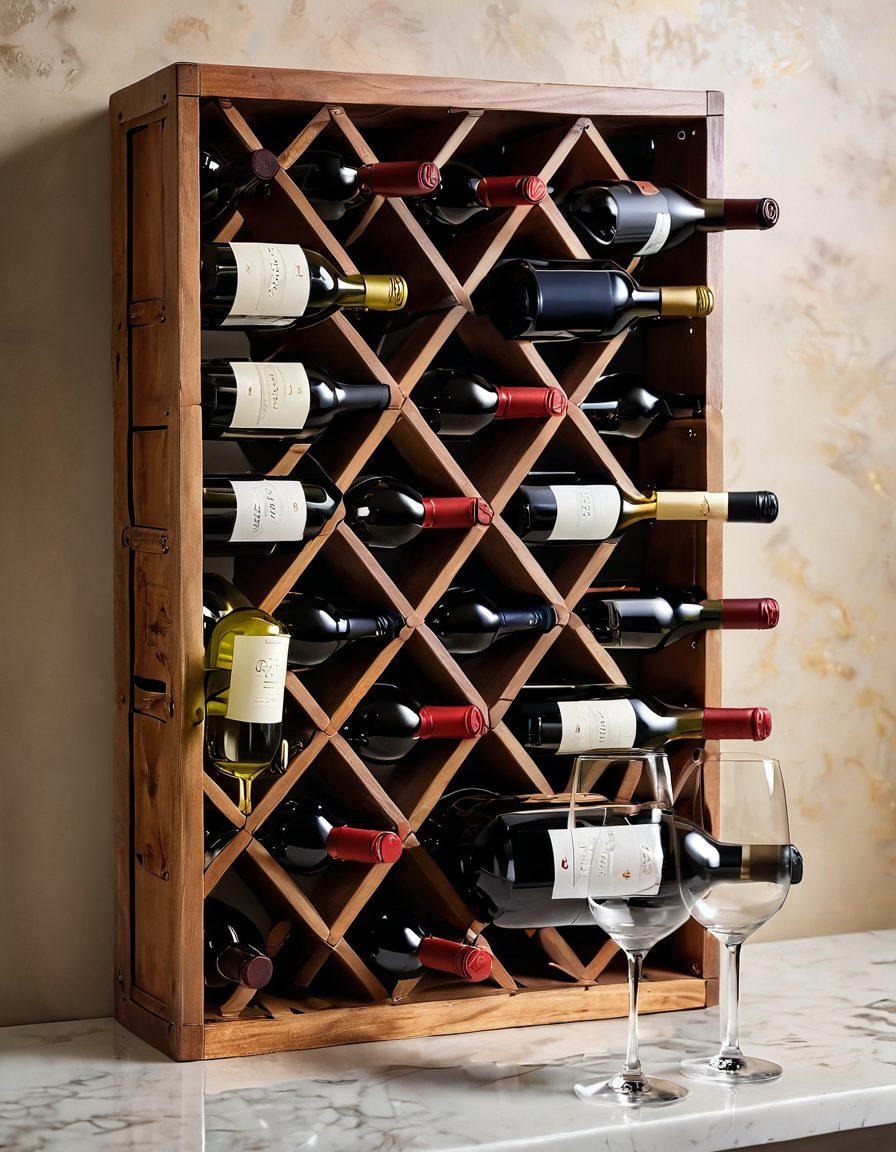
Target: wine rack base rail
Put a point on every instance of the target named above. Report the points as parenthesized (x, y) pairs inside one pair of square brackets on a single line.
[(566, 134)]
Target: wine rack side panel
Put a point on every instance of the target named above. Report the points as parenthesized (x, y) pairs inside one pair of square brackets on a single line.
[(158, 564)]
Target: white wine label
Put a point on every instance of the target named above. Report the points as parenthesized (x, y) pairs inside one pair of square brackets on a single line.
[(270, 395), (257, 679), (268, 511), (272, 282), (658, 236), (585, 511), (616, 861), (592, 725)]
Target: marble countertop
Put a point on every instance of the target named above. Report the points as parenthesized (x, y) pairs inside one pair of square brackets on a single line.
[(823, 1008)]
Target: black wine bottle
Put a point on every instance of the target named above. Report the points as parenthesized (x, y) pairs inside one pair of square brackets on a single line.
[(464, 196), (224, 183), (654, 616), (389, 723), (623, 404), (248, 400), (563, 509), (468, 620), (253, 514), (564, 720), (233, 950), (304, 836), (457, 404), (643, 219), (401, 947), (318, 630), (251, 285), (334, 186), (386, 513), (577, 299)]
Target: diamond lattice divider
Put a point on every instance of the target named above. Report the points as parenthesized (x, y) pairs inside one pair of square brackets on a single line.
[(163, 793)]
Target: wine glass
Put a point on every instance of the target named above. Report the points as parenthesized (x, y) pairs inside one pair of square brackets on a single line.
[(736, 868), (627, 870)]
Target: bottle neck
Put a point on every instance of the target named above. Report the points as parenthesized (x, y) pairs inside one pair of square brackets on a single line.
[(363, 845), (245, 965), (646, 301), (378, 293), (448, 722), (540, 619), (461, 960), (388, 624), (737, 215), (362, 397)]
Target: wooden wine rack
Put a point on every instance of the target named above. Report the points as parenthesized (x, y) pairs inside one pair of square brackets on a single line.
[(566, 134)]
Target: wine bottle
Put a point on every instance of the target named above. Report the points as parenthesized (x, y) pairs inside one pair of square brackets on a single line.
[(623, 404), (464, 196), (219, 597), (565, 720), (317, 630), (583, 299), (401, 947), (253, 514), (334, 186), (245, 678), (217, 832), (245, 400), (580, 512), (386, 513), (250, 285), (224, 183), (233, 950), (468, 620), (519, 864), (304, 836), (653, 617), (388, 723), (457, 404), (644, 219)]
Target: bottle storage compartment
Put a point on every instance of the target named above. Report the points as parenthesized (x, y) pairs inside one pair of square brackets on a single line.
[(326, 987)]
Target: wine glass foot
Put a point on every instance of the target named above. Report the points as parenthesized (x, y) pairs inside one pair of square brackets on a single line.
[(631, 1091), (731, 1070)]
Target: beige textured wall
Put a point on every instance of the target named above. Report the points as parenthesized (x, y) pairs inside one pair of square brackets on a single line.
[(809, 364)]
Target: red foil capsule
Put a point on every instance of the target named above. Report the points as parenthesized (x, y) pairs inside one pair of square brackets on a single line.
[(363, 845), (530, 403), (256, 971), (462, 960), (737, 723), (400, 178), (455, 511), (510, 191), (761, 614), (450, 722)]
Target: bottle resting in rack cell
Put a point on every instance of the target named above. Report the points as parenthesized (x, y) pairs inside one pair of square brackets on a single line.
[(577, 299), (456, 404), (386, 513), (568, 720), (398, 945), (224, 183), (623, 404), (318, 630), (248, 400), (245, 678), (468, 620), (654, 616), (304, 836), (334, 186), (465, 197), (254, 514), (518, 863), (643, 219), (233, 951), (559, 508), (389, 723), (219, 597), (252, 285)]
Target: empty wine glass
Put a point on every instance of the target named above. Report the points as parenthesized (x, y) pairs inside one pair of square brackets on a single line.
[(627, 871), (736, 868)]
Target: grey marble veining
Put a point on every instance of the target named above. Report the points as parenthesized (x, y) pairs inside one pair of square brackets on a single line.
[(824, 1008)]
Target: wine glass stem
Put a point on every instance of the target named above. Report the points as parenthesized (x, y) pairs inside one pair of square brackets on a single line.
[(632, 1057), (245, 796), (731, 1038)]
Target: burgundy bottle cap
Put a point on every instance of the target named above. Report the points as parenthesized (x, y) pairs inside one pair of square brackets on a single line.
[(523, 403), (363, 845), (265, 164), (461, 722), (462, 960), (400, 178), (455, 512), (760, 614), (256, 971), (737, 723), (510, 191), (762, 213)]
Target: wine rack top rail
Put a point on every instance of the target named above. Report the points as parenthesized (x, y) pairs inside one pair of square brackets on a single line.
[(160, 782)]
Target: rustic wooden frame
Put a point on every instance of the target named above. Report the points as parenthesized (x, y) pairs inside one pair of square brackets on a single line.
[(160, 784)]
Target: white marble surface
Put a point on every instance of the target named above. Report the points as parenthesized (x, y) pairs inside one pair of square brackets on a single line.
[(824, 1008)]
